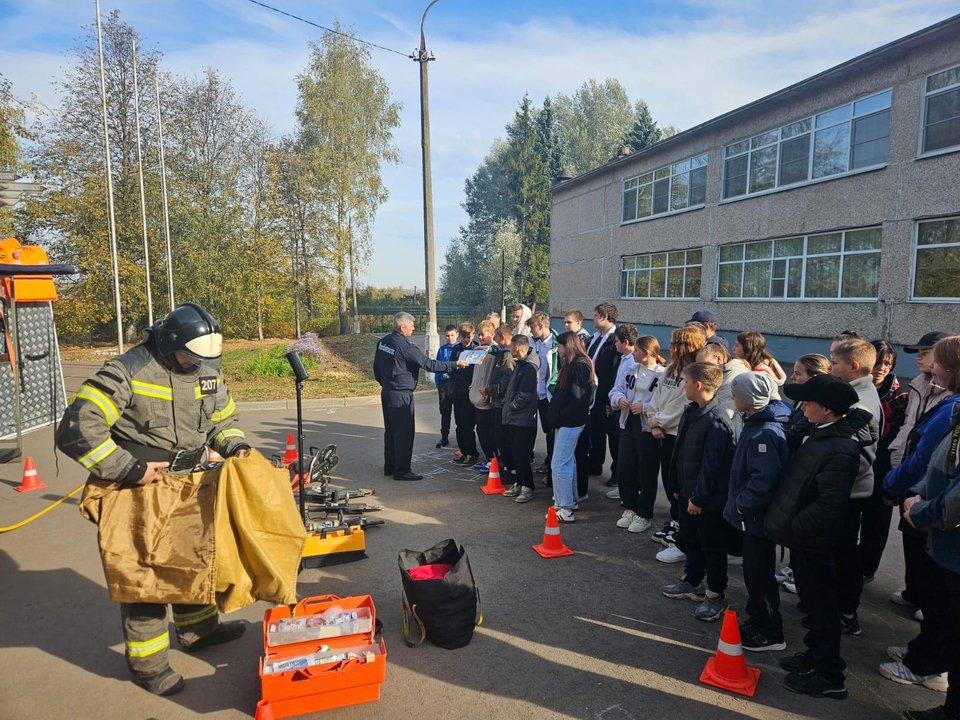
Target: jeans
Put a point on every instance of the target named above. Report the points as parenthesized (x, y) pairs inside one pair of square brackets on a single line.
[(705, 544), (763, 592), (816, 575), (523, 438), (564, 466)]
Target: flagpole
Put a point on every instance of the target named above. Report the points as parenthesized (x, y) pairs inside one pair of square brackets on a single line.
[(113, 221), (166, 212), (143, 199)]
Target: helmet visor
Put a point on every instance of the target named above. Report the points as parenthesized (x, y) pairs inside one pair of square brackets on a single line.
[(205, 347)]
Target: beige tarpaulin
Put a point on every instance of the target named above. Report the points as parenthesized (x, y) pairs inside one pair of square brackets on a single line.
[(229, 536)]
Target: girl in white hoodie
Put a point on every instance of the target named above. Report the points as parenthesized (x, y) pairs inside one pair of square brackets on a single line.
[(667, 405)]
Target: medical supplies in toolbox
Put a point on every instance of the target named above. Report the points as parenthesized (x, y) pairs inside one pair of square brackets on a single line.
[(321, 656)]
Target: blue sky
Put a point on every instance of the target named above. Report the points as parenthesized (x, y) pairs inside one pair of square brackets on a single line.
[(690, 60)]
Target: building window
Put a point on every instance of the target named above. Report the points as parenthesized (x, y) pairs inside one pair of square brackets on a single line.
[(941, 111), (674, 187), (846, 138), (662, 275), (839, 265), (937, 262)]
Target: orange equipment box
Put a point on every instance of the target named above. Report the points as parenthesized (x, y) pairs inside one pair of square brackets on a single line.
[(330, 684)]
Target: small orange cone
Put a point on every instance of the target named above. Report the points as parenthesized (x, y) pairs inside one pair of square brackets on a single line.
[(728, 669), (214, 456), (30, 479), (552, 545), (493, 486), (291, 454), (457, 453), (264, 711)]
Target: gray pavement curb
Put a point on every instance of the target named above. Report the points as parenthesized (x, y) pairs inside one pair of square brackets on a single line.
[(322, 403)]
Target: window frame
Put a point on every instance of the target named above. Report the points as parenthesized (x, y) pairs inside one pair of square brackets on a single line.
[(924, 94), (812, 132), (915, 244), (803, 268), (669, 178), (667, 266)]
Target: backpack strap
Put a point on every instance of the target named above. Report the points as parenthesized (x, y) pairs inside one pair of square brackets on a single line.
[(406, 622), (479, 608)]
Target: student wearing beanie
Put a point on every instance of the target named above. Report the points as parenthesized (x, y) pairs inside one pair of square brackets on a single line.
[(758, 463)]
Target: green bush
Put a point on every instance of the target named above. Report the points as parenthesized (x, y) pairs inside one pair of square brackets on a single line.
[(273, 364)]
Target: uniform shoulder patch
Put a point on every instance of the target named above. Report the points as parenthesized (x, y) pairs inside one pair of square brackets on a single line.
[(208, 384)]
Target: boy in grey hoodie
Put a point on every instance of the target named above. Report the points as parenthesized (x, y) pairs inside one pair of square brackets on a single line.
[(853, 361)]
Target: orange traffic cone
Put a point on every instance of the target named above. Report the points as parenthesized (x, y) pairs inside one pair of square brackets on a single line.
[(264, 711), (493, 486), (30, 479), (213, 456), (291, 454), (552, 545), (728, 669)]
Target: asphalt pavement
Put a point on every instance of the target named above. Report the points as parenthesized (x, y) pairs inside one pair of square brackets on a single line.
[(587, 636)]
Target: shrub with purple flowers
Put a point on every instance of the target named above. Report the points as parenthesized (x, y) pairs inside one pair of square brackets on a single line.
[(309, 344)]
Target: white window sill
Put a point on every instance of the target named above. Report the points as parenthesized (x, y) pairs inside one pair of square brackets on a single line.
[(805, 183), (799, 300), (938, 153), (931, 301), (701, 206)]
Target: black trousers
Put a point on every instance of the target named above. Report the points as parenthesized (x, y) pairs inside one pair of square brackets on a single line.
[(926, 655), (445, 391), (942, 607), (816, 574), (705, 544), (543, 410), (487, 433), (399, 427), (874, 527), (523, 440), (504, 444), (466, 416), (846, 553), (582, 455), (914, 553), (603, 429), (763, 592), (630, 464), (667, 446)]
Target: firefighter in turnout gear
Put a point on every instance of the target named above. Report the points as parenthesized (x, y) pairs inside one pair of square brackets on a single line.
[(158, 407)]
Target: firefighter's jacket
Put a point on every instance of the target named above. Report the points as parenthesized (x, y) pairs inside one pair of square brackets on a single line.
[(135, 398)]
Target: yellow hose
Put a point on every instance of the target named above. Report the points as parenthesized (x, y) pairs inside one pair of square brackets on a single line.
[(42, 512)]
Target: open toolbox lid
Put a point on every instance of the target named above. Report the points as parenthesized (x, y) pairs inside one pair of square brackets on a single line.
[(313, 606)]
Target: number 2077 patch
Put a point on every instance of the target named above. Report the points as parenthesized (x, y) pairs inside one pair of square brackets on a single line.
[(208, 385)]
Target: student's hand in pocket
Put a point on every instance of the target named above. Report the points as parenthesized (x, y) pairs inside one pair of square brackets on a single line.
[(693, 509)]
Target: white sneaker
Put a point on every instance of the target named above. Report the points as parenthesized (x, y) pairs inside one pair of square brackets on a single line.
[(896, 653), (784, 574), (898, 599), (512, 491), (565, 516), (790, 586), (734, 559), (639, 525), (900, 673), (526, 495), (614, 494), (626, 519), (671, 554)]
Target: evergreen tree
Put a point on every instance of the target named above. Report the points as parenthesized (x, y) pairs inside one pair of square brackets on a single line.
[(550, 139), (644, 132)]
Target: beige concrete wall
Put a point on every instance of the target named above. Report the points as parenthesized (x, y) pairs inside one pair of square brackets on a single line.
[(588, 240)]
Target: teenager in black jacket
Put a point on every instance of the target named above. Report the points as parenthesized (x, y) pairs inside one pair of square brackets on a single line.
[(807, 514), (604, 422), (568, 417)]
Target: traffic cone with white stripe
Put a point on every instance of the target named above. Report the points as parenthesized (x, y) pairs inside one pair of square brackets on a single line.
[(31, 480), (728, 669), (493, 486), (552, 545), (291, 454)]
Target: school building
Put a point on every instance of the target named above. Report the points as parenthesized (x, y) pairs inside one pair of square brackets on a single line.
[(831, 204)]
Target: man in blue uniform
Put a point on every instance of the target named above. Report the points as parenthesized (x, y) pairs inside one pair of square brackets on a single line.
[(396, 366)]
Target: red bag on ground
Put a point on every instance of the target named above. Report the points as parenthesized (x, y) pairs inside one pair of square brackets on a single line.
[(436, 571)]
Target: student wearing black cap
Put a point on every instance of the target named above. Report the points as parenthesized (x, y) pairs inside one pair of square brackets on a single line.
[(806, 515), (709, 322)]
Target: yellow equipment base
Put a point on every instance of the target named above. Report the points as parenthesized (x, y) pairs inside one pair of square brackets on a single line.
[(334, 547)]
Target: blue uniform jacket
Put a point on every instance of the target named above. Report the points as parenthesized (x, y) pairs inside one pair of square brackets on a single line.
[(908, 473), (396, 366), (443, 354), (758, 463)]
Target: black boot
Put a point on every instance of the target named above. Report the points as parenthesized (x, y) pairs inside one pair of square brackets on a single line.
[(163, 683), (225, 632)]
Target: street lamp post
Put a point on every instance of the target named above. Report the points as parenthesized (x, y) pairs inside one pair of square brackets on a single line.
[(421, 56)]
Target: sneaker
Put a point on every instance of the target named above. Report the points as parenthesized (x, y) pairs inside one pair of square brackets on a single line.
[(755, 640), (896, 653), (512, 491), (918, 616), (735, 560), (525, 495), (541, 469), (482, 467), (783, 575), (660, 535), (626, 519), (897, 598), (790, 586), (683, 589), (798, 662), (614, 494), (900, 673), (613, 482), (937, 713), (443, 443), (671, 554), (565, 516), (639, 525), (712, 608), (470, 460), (459, 459), (850, 625), (814, 684)]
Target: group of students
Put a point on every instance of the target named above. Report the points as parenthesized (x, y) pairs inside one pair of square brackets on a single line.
[(744, 471)]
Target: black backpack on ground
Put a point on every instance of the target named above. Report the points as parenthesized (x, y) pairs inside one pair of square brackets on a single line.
[(446, 610)]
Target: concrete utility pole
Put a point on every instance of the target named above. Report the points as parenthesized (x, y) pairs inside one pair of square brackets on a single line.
[(421, 56), (163, 185), (143, 198)]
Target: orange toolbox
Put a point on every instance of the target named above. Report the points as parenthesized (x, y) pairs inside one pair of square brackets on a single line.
[(310, 665)]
